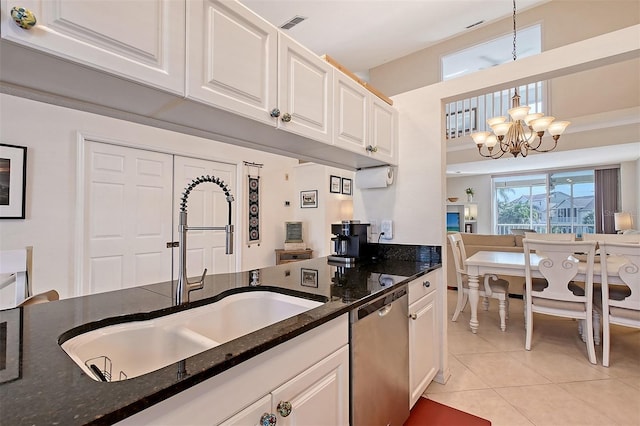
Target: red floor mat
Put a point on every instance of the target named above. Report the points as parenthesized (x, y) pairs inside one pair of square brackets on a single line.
[(430, 413)]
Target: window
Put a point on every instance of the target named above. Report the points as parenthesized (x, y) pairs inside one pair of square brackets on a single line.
[(491, 53), (555, 202)]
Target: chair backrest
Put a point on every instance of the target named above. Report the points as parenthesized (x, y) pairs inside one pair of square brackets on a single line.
[(612, 238), (550, 237), (622, 260), (559, 267), (459, 255), (47, 296)]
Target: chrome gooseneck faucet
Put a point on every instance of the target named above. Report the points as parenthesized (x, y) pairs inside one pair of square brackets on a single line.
[(184, 286)]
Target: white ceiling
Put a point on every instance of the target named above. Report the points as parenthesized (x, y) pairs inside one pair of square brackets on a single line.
[(362, 34)]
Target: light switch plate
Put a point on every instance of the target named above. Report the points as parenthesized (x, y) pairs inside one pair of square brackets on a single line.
[(386, 226)]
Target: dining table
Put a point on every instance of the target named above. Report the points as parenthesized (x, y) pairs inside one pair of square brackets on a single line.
[(513, 263)]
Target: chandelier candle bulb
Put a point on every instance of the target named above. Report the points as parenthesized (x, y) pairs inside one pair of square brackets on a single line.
[(557, 127), (480, 137), (519, 113), (541, 124), (529, 118), (502, 128), (496, 120)]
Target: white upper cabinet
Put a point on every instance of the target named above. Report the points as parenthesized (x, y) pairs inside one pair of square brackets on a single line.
[(350, 114), (384, 131), (231, 58), (305, 91), (140, 40)]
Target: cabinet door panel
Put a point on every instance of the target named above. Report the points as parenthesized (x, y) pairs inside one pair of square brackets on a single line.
[(423, 339), (384, 129), (351, 114), (142, 40), (231, 59), (305, 91), (319, 395)]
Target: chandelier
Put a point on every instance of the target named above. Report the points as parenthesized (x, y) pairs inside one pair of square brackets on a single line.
[(524, 132)]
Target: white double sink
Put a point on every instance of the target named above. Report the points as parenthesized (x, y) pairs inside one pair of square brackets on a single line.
[(131, 349)]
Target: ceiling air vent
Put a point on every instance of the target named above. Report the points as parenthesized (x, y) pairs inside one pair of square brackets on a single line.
[(474, 24), (293, 22)]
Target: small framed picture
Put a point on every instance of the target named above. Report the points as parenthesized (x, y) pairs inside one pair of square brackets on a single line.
[(334, 184), (346, 186), (13, 180), (468, 228), (309, 199), (309, 277)]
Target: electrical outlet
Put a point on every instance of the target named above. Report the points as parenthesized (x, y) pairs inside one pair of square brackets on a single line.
[(386, 226)]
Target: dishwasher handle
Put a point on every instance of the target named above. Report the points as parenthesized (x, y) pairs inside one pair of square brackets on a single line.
[(381, 305), (384, 311)]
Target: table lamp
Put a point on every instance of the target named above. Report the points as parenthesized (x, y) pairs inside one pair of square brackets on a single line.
[(622, 221)]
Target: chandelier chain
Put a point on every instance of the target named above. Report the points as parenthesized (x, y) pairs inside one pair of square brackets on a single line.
[(514, 30)]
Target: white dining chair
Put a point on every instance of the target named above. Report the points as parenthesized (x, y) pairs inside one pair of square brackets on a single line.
[(618, 305), (559, 267), (494, 287)]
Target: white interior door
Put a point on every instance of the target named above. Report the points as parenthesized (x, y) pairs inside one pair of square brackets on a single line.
[(128, 213), (206, 206)]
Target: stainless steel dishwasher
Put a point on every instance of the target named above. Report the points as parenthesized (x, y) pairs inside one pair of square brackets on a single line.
[(380, 361)]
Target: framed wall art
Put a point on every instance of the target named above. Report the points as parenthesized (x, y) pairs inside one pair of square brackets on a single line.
[(13, 180), (334, 184), (309, 277), (309, 199), (346, 186)]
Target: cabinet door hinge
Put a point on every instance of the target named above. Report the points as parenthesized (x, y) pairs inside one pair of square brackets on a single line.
[(171, 244)]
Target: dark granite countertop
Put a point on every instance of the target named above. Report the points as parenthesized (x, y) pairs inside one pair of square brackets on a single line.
[(41, 385)]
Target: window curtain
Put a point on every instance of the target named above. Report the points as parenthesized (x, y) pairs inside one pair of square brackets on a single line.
[(606, 200)]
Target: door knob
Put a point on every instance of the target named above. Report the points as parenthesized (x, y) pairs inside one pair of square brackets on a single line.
[(24, 18), (268, 419), (284, 408), (413, 316), (286, 117), (275, 112)]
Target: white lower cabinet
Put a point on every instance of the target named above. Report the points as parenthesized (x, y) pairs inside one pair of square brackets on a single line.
[(311, 372), (423, 334), (318, 395)]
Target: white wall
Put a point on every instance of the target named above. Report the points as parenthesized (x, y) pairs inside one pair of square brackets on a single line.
[(51, 135), (482, 197), (332, 207)]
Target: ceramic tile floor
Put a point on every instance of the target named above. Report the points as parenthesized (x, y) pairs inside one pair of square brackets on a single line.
[(494, 377)]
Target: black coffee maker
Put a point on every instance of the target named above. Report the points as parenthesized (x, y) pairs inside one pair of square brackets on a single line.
[(350, 241)]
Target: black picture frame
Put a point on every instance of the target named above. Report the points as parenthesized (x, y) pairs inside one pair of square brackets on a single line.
[(309, 199), (11, 332), (335, 184), (468, 228), (347, 186), (13, 181), (309, 277)]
